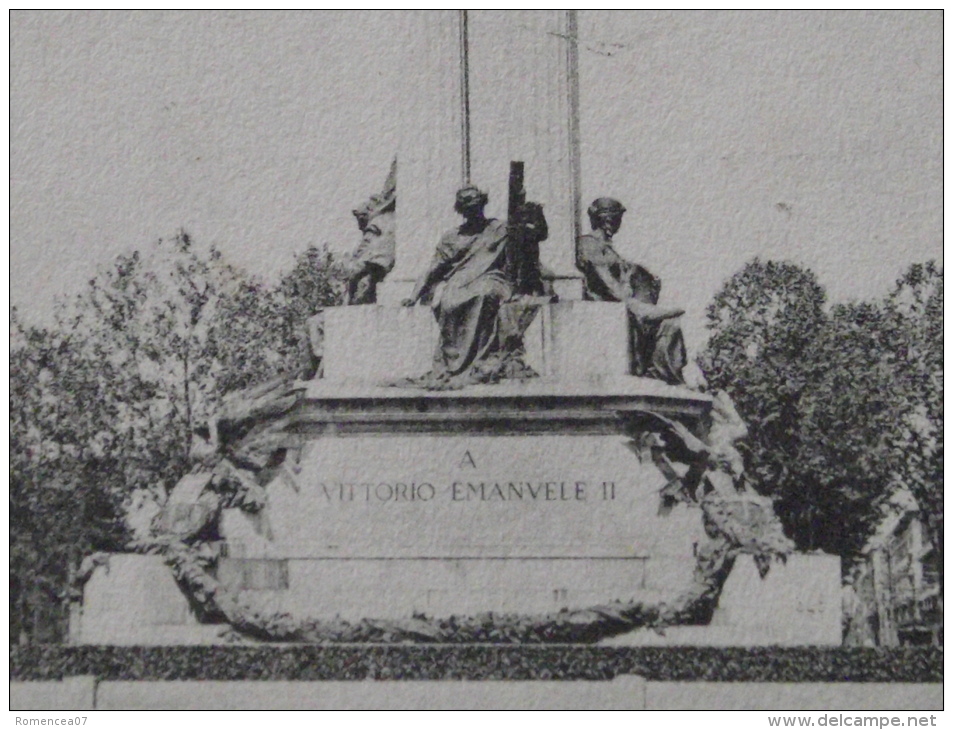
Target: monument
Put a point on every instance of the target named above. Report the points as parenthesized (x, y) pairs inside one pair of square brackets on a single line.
[(511, 463)]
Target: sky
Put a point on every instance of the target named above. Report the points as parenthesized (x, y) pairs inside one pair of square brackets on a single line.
[(814, 137)]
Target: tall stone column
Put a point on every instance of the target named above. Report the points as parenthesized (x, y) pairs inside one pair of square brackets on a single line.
[(431, 151), (483, 88), (524, 104)]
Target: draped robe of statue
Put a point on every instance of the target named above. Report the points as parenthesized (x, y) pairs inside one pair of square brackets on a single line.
[(657, 347), (468, 282)]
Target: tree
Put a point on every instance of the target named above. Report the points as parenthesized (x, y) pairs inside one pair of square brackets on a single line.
[(314, 282), (844, 409), (104, 403), (64, 489), (763, 324), (847, 409), (915, 311)]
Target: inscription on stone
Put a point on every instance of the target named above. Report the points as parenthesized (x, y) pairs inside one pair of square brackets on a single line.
[(463, 496), (552, 491)]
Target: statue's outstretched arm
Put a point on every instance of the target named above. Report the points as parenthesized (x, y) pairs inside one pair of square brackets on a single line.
[(440, 266), (619, 290), (425, 284), (422, 288)]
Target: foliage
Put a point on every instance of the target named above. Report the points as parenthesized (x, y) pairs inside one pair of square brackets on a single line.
[(408, 661), (315, 281), (64, 489), (915, 308), (105, 403), (845, 407), (764, 322)]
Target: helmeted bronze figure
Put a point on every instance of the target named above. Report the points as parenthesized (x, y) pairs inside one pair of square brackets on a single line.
[(657, 346)]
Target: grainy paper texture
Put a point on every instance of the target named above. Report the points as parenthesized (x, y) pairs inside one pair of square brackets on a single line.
[(470, 421)]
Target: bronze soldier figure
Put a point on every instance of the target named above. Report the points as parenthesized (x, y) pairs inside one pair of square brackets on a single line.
[(657, 346)]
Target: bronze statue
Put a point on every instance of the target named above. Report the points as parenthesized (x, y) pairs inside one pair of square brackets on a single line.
[(471, 278), (657, 344), (374, 257)]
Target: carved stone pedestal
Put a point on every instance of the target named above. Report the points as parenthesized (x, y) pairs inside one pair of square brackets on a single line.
[(571, 503), (522, 497)]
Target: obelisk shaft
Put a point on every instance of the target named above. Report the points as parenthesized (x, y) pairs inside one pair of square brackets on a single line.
[(482, 89), (524, 106), (431, 154)]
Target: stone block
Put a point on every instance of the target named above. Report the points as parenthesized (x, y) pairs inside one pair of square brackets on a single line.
[(459, 524), (372, 344), (794, 697), (69, 694), (475, 496), (440, 587), (253, 574), (578, 340), (133, 599), (589, 340), (797, 604), (625, 692)]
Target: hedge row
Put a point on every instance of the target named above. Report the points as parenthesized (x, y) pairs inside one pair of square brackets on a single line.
[(353, 661)]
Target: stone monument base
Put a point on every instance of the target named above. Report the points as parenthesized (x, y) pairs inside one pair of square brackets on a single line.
[(521, 497), (132, 600), (798, 603), (527, 497), (345, 499)]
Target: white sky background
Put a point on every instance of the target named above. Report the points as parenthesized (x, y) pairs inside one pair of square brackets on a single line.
[(809, 136)]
